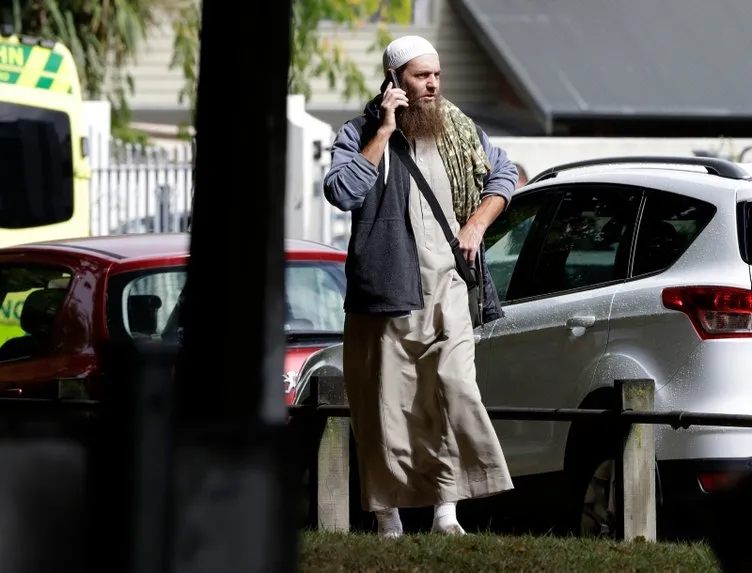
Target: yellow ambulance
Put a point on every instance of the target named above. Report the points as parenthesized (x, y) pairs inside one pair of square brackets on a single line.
[(43, 152)]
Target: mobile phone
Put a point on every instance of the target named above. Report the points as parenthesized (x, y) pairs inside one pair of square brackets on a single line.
[(392, 77)]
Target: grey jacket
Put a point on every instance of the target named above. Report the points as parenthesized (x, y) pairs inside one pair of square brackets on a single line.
[(382, 261)]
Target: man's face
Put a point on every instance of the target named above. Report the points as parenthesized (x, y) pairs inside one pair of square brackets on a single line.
[(420, 80)]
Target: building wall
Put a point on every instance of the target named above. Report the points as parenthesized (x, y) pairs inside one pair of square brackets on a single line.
[(468, 76), (156, 86)]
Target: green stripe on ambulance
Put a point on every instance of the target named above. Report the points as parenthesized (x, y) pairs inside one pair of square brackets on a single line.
[(17, 56), (53, 63), (9, 77)]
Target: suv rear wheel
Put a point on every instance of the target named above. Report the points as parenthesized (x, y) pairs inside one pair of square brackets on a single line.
[(590, 473), (598, 508)]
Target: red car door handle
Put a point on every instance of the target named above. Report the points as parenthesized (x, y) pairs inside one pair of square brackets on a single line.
[(12, 392)]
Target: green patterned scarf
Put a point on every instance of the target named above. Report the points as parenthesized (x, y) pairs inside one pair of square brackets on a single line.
[(465, 160)]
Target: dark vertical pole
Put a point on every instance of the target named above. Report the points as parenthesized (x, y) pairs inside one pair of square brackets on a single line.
[(230, 490), (130, 469), (42, 514)]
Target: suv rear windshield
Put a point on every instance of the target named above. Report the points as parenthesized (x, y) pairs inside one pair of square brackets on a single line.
[(36, 159)]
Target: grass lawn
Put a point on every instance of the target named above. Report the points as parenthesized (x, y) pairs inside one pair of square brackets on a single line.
[(354, 552)]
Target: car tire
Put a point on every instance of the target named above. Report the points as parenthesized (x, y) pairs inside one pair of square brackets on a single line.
[(591, 509), (598, 512)]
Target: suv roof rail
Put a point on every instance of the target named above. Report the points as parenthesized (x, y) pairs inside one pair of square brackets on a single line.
[(714, 165)]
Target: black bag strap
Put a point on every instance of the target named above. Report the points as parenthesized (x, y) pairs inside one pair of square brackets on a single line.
[(468, 273)]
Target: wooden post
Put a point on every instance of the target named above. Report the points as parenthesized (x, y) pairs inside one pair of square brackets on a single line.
[(638, 463), (333, 467)]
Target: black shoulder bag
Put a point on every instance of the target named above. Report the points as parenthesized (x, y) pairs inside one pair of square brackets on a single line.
[(468, 273)]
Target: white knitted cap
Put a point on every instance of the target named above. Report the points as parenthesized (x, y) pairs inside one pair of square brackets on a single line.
[(404, 49)]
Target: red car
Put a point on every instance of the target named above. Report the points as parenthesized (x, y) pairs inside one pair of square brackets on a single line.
[(62, 299), (314, 300)]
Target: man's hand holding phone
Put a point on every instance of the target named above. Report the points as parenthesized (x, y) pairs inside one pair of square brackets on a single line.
[(394, 97)]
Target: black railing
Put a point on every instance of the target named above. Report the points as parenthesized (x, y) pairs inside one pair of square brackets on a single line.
[(676, 419), (328, 454)]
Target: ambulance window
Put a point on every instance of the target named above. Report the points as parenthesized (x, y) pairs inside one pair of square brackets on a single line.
[(36, 167)]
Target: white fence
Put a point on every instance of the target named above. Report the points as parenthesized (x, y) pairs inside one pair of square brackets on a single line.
[(140, 189), (148, 189)]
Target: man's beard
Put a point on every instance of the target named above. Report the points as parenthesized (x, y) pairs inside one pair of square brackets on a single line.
[(422, 118)]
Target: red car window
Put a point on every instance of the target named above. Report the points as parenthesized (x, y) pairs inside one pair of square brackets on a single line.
[(32, 295), (314, 296), (141, 303)]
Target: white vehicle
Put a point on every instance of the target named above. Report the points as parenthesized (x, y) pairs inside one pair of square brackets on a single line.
[(615, 269)]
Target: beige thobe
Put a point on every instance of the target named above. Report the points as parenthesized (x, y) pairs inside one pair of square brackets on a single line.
[(423, 436)]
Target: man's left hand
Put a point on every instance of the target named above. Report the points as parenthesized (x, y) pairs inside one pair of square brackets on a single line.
[(469, 238)]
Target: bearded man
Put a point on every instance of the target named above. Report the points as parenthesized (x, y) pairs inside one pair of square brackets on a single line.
[(422, 433)]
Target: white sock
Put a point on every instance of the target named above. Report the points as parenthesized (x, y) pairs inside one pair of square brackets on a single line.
[(445, 518), (390, 524)]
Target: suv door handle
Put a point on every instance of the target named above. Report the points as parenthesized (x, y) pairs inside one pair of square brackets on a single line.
[(581, 321)]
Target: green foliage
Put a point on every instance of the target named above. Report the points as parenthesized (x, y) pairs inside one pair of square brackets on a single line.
[(103, 36), (121, 129), (185, 54), (313, 56)]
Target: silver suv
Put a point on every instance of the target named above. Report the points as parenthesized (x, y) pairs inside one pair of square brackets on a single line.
[(635, 267)]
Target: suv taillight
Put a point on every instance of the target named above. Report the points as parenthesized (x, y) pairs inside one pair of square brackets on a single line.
[(716, 312)]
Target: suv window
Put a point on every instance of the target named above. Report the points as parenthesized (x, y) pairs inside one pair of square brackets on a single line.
[(32, 296), (668, 225), (314, 296), (588, 241), (506, 236)]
